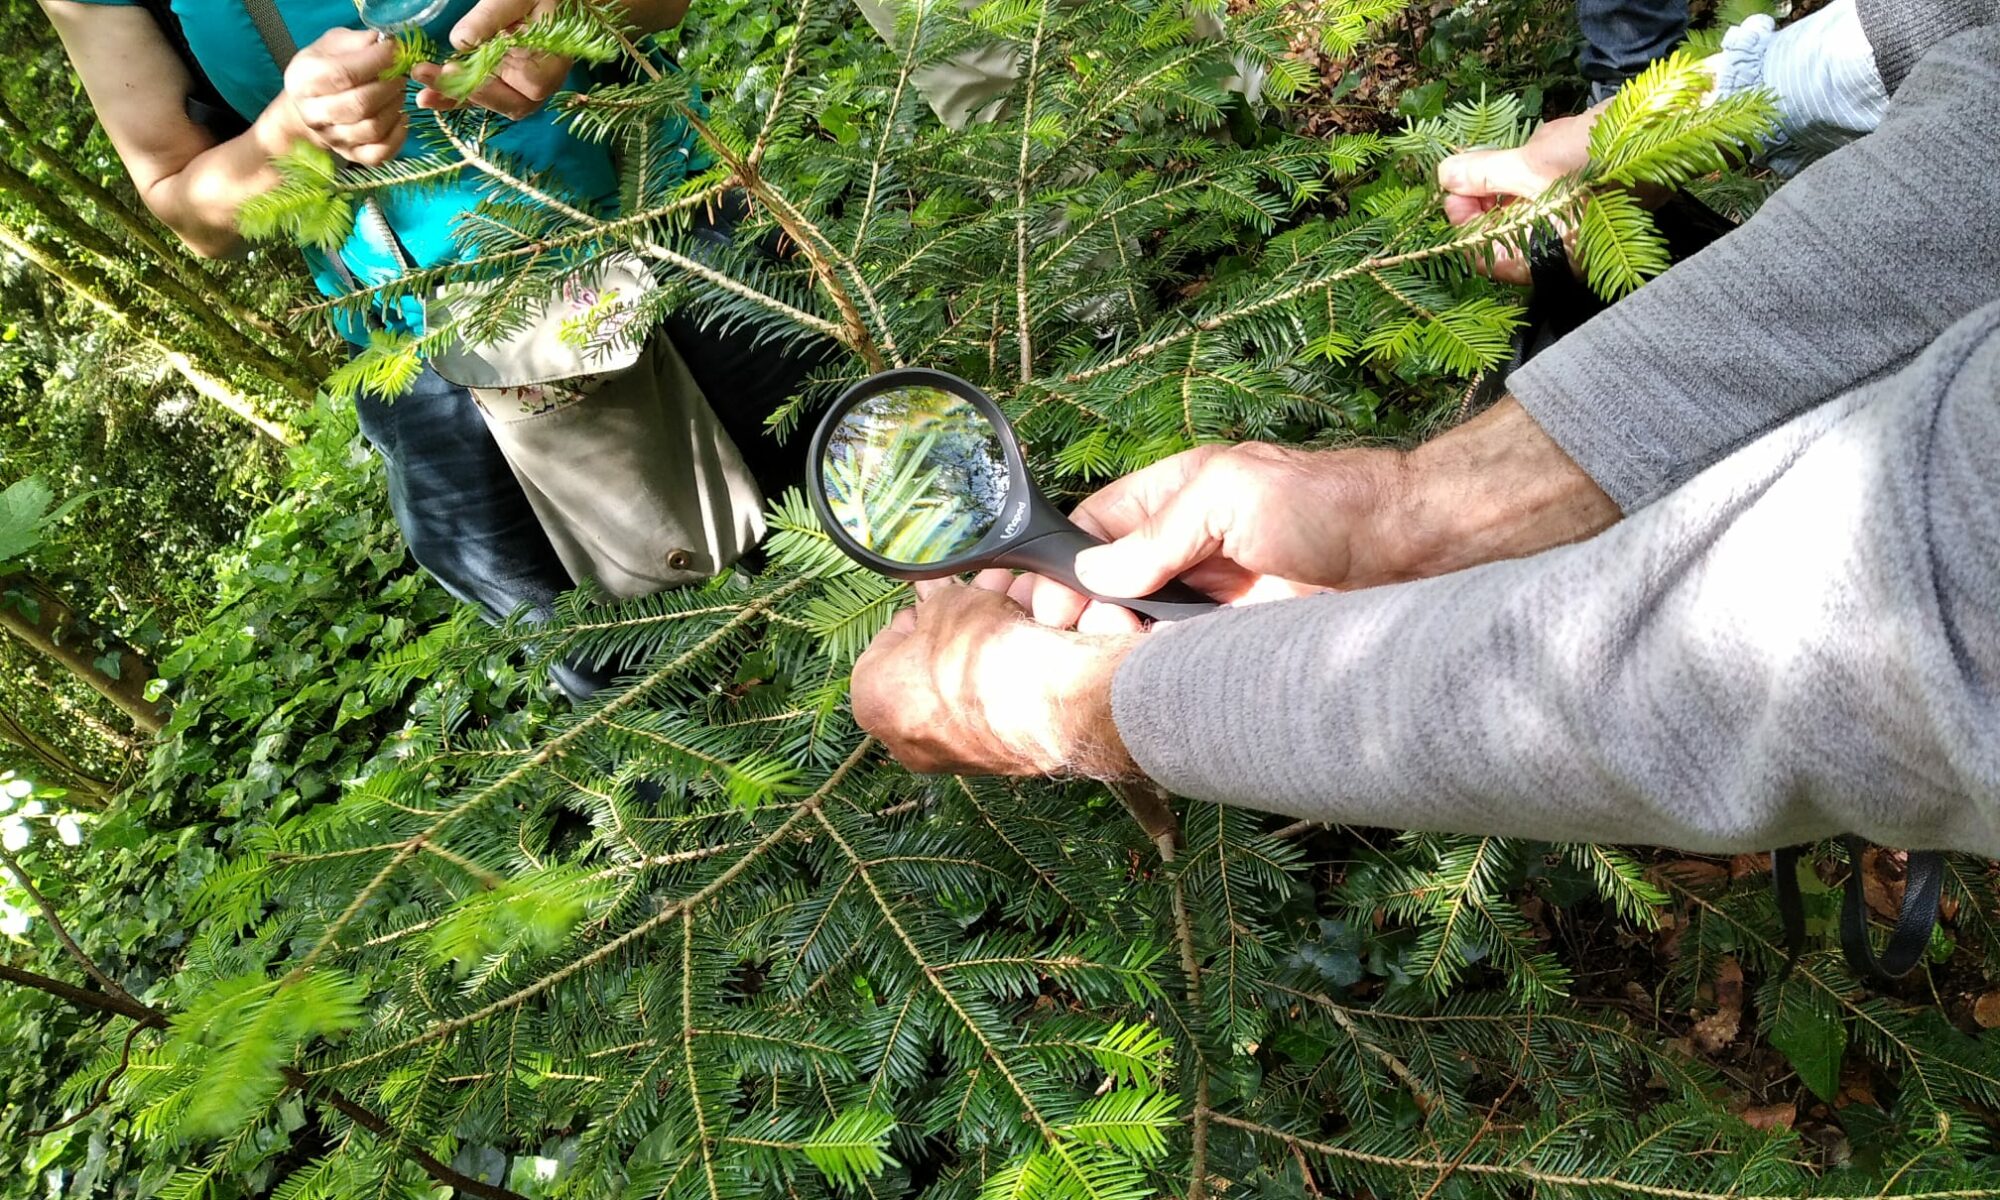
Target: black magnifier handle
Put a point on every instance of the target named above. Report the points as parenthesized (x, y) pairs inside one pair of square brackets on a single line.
[(1054, 554)]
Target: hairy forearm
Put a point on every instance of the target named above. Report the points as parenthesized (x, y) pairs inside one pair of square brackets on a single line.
[(1496, 487)]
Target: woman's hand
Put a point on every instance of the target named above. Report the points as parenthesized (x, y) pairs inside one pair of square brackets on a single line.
[(340, 100), (525, 80)]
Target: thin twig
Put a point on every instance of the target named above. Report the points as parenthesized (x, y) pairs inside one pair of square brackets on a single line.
[(103, 1096), (56, 926)]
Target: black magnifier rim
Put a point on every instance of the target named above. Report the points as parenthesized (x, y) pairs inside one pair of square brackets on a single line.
[(1019, 488)]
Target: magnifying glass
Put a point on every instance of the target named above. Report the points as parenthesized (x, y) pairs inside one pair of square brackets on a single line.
[(395, 16), (915, 474)]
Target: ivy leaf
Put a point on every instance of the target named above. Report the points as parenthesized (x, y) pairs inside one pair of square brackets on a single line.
[(1808, 1031), (25, 515), (111, 664)]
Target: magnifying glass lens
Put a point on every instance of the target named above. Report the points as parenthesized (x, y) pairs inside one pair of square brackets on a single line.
[(395, 16), (916, 475)]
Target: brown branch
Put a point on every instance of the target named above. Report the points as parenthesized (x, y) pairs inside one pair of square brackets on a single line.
[(123, 1004), (56, 926), (441, 1172), (1152, 809), (119, 1005), (103, 1096)]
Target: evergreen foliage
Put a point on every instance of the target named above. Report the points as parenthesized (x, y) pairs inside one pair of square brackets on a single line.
[(699, 939)]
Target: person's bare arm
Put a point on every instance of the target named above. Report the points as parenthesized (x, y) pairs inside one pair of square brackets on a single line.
[(193, 183)]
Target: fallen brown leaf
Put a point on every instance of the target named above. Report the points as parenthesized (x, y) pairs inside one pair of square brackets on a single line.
[(1882, 882), (1986, 1011), (1714, 1032), (1694, 872), (1749, 864), (1770, 1116)]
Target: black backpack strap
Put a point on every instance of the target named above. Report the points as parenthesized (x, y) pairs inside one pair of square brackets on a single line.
[(1923, 886)]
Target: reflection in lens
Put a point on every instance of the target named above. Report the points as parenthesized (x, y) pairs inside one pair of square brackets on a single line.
[(917, 475), (394, 16)]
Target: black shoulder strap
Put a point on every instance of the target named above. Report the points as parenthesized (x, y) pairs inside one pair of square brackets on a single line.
[(1923, 884), (205, 105)]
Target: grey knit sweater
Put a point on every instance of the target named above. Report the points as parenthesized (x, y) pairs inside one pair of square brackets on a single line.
[(1799, 639), (1902, 30)]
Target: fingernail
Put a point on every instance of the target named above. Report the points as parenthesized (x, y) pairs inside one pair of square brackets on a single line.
[(1450, 174), (1093, 566)]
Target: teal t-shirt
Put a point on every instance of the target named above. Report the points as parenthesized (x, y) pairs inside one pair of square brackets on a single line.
[(425, 223)]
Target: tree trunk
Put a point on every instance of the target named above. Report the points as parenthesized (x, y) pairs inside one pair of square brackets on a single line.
[(185, 267), (90, 790), (44, 621), (95, 289), (181, 301)]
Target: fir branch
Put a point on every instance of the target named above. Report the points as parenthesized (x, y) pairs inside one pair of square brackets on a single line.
[(785, 77), (645, 247), (548, 753), (826, 261), (1513, 219), (1030, 78), (668, 913), (1518, 1173)]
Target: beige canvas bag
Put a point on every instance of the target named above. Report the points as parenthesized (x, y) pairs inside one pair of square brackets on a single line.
[(630, 472)]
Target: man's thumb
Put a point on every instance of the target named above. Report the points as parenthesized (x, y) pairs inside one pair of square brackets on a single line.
[(1168, 543), (1489, 173)]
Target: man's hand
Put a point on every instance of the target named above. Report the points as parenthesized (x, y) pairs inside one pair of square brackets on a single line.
[(964, 683), (524, 81), (1242, 523), (1255, 522), (341, 102)]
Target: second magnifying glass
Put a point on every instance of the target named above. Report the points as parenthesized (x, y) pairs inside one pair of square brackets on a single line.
[(916, 474)]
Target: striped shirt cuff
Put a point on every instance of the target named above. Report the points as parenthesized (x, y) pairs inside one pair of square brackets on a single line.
[(1821, 69)]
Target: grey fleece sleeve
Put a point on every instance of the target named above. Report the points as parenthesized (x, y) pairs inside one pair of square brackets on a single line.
[(1902, 30), (1803, 640), (1843, 275)]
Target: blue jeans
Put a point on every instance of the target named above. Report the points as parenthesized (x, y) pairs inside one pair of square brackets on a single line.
[(463, 515), (1620, 37)]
